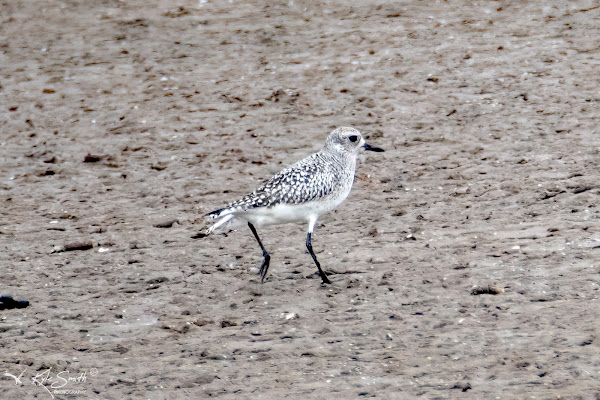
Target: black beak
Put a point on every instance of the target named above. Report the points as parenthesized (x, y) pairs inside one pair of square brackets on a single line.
[(372, 148)]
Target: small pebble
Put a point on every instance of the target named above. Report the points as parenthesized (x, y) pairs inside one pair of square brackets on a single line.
[(290, 316)]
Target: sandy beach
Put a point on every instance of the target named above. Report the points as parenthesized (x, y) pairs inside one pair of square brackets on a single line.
[(464, 264)]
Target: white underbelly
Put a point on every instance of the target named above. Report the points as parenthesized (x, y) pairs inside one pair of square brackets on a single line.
[(284, 213)]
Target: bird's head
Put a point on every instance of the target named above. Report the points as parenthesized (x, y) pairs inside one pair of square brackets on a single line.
[(348, 141)]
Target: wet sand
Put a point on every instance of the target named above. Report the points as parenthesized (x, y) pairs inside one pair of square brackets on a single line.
[(465, 263)]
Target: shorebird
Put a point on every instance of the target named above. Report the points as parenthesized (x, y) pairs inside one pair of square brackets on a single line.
[(301, 192)]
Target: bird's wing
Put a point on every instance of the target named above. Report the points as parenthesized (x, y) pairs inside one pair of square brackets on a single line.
[(305, 181)]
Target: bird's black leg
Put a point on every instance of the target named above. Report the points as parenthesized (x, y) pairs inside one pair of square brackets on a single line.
[(267, 258), (312, 253)]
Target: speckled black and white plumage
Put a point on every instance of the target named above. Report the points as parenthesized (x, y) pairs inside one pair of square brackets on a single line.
[(316, 184), (303, 191), (312, 178)]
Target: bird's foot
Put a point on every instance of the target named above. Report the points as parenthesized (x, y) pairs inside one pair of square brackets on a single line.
[(264, 267)]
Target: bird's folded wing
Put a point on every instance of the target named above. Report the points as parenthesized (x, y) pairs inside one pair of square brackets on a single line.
[(305, 181)]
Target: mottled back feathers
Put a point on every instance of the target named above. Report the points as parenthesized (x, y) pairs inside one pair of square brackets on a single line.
[(317, 184), (310, 179)]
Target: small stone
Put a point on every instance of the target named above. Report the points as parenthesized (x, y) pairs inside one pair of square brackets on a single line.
[(290, 316), (73, 247), (166, 223), (92, 158), (477, 290), (227, 324)]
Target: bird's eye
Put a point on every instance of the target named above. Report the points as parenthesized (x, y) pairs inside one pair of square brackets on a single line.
[(353, 138)]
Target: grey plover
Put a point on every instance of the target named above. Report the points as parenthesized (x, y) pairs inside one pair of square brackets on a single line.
[(303, 191)]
